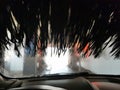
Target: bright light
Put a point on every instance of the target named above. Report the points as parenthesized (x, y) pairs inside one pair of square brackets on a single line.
[(15, 62), (54, 62)]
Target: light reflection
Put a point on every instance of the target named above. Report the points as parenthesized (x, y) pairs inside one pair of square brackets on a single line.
[(13, 64), (55, 63), (50, 63)]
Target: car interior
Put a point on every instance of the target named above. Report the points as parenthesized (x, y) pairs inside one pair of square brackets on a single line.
[(65, 82), (59, 44)]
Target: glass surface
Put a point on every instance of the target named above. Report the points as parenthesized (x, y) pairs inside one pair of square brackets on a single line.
[(28, 65)]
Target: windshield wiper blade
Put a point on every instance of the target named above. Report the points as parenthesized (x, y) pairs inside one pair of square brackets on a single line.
[(66, 74)]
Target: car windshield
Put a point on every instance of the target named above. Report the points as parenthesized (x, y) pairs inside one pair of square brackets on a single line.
[(56, 37), (69, 62)]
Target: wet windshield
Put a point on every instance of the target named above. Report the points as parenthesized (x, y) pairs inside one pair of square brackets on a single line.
[(69, 62), (45, 37)]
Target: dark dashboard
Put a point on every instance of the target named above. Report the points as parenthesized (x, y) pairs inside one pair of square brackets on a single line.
[(60, 83)]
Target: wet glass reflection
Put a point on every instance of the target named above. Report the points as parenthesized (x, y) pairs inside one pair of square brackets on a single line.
[(29, 64), (40, 64)]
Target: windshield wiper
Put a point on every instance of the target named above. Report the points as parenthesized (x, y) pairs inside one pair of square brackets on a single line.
[(57, 76), (65, 74), (62, 75)]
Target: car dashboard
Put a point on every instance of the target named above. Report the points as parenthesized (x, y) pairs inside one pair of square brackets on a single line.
[(67, 83)]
